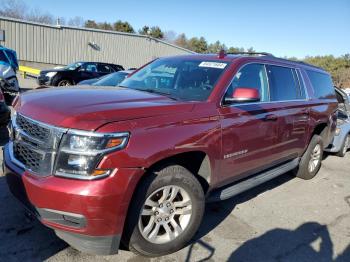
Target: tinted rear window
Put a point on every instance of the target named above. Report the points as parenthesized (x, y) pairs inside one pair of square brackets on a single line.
[(283, 85), (322, 84)]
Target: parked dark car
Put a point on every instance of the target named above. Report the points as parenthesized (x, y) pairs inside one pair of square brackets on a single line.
[(4, 111), (112, 79), (137, 163), (75, 73)]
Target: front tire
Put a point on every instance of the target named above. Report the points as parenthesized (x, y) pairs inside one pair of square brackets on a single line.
[(310, 162), (164, 216), (64, 82), (344, 148)]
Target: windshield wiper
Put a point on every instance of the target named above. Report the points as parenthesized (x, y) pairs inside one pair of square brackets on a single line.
[(149, 90)]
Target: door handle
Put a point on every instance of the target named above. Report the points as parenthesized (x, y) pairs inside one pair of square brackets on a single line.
[(270, 117)]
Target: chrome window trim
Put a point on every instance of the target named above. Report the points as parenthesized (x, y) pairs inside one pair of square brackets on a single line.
[(300, 76), (268, 83), (266, 102)]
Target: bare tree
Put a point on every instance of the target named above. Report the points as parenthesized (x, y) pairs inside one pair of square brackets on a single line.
[(13, 8), (77, 21), (36, 15), (170, 36), (341, 77)]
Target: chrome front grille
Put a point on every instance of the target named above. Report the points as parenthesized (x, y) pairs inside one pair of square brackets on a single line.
[(27, 156), (32, 128), (34, 144)]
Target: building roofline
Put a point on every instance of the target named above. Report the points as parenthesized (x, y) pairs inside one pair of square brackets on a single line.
[(94, 30)]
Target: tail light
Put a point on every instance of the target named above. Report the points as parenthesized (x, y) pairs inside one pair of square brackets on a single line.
[(2, 98)]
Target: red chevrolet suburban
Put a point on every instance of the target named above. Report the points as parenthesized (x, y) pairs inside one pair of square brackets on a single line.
[(135, 164)]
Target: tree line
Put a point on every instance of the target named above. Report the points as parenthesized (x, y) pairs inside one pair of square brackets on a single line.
[(339, 67), (18, 9)]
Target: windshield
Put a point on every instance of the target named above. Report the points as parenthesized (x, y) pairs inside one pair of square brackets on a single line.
[(73, 66), (178, 78), (113, 79)]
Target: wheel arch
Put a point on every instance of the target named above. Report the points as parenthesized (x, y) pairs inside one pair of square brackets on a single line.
[(197, 162), (321, 129), (60, 77)]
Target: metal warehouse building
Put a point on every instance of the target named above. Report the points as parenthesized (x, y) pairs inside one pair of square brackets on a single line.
[(39, 44)]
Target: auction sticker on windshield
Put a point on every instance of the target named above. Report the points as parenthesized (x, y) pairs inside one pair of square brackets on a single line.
[(213, 65)]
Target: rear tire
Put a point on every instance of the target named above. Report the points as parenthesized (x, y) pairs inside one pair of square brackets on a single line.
[(310, 162), (165, 213), (344, 148)]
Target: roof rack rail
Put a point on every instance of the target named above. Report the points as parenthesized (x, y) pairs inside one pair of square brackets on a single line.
[(250, 53)]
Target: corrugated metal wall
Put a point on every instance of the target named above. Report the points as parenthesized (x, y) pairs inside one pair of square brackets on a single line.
[(62, 45)]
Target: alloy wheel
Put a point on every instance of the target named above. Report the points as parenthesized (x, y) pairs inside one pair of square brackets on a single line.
[(315, 158), (64, 83), (166, 213)]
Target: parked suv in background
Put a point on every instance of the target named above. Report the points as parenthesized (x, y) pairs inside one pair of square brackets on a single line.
[(137, 163), (76, 72), (341, 142)]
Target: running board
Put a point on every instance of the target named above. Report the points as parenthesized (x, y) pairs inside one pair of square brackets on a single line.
[(254, 181)]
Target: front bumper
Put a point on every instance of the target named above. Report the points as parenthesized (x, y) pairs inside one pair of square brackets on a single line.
[(88, 215), (44, 80)]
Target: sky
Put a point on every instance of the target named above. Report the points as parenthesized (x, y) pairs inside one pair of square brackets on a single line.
[(284, 28)]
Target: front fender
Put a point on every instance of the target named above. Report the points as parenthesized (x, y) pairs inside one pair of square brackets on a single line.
[(157, 138)]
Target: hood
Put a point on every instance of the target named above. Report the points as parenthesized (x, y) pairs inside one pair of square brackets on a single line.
[(44, 72), (87, 108)]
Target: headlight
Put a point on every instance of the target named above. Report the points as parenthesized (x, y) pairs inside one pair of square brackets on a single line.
[(337, 131), (80, 152), (51, 74)]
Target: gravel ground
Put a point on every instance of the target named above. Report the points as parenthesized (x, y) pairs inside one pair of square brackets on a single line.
[(287, 219)]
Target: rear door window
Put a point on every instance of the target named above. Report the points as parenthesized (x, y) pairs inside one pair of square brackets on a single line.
[(283, 84), (322, 84), (103, 68), (89, 67)]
